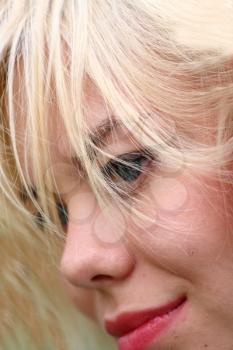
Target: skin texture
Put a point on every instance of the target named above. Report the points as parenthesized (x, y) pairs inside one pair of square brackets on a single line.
[(110, 266)]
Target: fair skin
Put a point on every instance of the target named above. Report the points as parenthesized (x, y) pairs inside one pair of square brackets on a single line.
[(191, 257), (187, 250)]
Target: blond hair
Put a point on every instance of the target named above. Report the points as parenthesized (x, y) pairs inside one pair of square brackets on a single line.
[(172, 96)]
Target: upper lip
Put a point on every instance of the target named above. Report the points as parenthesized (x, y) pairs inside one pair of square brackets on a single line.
[(127, 322)]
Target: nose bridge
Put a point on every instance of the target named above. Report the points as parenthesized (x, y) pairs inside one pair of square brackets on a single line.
[(95, 249)]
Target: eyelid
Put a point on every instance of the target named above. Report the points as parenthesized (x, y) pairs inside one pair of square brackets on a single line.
[(131, 188), (120, 159)]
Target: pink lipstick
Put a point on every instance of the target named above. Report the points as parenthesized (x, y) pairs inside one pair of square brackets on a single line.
[(137, 330)]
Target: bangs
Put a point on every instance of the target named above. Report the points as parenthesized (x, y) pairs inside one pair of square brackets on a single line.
[(161, 90), (172, 97)]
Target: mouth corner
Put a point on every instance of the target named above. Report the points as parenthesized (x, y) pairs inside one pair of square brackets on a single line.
[(128, 322)]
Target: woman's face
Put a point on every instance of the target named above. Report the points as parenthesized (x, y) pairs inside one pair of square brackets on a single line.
[(114, 264)]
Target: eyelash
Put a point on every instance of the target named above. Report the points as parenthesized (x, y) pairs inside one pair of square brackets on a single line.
[(62, 214), (114, 171)]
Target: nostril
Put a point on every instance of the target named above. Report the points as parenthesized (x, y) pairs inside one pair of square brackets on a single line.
[(101, 278)]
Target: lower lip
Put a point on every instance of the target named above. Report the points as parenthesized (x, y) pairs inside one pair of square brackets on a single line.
[(150, 332)]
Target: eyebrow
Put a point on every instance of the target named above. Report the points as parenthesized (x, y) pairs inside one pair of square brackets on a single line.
[(100, 135)]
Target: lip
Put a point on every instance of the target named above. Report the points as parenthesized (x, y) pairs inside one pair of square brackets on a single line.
[(137, 330)]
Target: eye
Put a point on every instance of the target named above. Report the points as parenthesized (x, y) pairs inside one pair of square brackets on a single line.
[(38, 217), (127, 169), (39, 220), (63, 214)]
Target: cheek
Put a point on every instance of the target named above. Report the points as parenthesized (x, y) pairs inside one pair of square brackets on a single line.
[(189, 224), (169, 194)]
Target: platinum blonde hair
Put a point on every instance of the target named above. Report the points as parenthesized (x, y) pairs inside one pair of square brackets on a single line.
[(170, 86)]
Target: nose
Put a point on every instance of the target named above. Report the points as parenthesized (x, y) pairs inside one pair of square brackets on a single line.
[(96, 253)]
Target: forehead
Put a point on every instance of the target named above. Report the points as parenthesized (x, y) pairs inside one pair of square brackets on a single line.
[(56, 139), (96, 111), (95, 108)]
